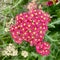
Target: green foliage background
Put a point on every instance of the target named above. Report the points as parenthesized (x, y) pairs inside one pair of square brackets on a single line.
[(10, 10)]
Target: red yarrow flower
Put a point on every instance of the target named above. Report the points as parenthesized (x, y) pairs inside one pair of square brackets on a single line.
[(56, 1), (43, 48), (49, 3), (31, 26)]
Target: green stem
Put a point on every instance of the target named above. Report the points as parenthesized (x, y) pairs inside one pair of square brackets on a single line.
[(4, 58), (17, 4), (50, 38)]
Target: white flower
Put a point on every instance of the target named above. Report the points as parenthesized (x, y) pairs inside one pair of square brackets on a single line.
[(24, 53), (10, 50), (14, 53), (31, 5), (6, 29)]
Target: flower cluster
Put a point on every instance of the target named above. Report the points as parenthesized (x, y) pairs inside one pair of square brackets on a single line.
[(51, 2), (43, 48), (31, 26), (24, 54), (10, 50), (32, 5)]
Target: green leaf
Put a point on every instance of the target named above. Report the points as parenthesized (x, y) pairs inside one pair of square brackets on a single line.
[(17, 4), (52, 24), (47, 37), (42, 58), (34, 54), (55, 22)]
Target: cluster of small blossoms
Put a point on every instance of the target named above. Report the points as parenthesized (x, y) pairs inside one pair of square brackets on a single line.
[(43, 48), (51, 2), (10, 50), (32, 5), (31, 26), (24, 54)]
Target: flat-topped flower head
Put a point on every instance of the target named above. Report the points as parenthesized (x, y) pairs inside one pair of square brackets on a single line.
[(43, 48), (30, 26), (10, 50), (52, 2), (49, 3)]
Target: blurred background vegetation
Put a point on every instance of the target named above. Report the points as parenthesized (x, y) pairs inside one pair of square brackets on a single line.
[(9, 9)]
